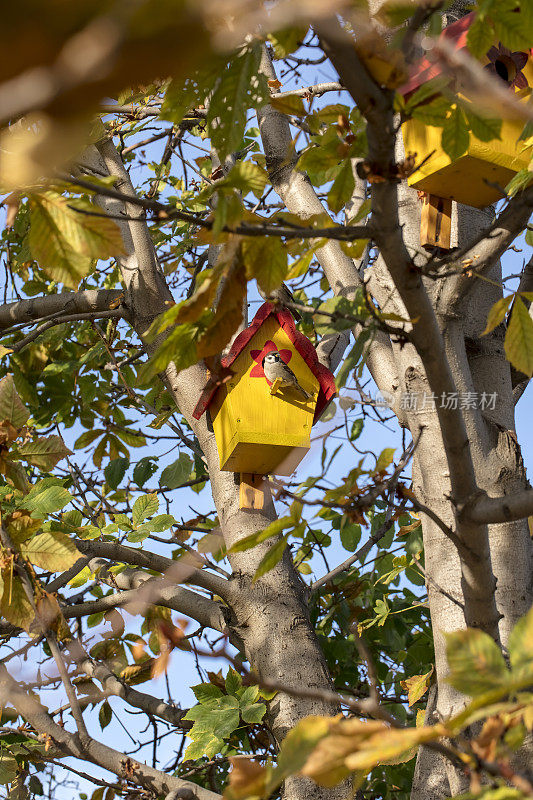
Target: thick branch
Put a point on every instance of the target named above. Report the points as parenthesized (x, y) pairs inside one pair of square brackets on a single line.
[(92, 750), (199, 608), (55, 305), (376, 105), (182, 571), (499, 509), (483, 253)]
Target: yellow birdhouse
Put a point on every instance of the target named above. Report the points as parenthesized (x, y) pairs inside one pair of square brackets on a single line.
[(474, 178), (260, 426)]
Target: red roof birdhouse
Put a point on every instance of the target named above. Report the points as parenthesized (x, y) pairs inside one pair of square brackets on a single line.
[(475, 177), (261, 426)]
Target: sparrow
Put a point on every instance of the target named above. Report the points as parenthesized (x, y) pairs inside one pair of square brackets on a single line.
[(275, 368)]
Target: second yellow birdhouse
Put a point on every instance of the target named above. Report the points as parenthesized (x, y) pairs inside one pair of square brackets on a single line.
[(474, 178), (260, 426)]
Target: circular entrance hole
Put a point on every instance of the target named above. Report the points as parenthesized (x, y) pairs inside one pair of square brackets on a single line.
[(505, 68)]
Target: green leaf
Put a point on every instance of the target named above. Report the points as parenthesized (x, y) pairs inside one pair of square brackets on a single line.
[(204, 744), (519, 339), (207, 694), (350, 536), (480, 37), (434, 113), (287, 41), (497, 313), (385, 459), (265, 259), (241, 86), (176, 473), (271, 558), (88, 437), (45, 499), (484, 128), (104, 715), (247, 177), (233, 682), (293, 105), (299, 744), (475, 661), (65, 236), (11, 406), (156, 525), (357, 429), (179, 347), (429, 89), (274, 529), (455, 136), (144, 506), (219, 718), (248, 695), (8, 767), (53, 551), (160, 523), (337, 309), (518, 182), (511, 28), (44, 452), (342, 188), (521, 647), (115, 471), (253, 713)]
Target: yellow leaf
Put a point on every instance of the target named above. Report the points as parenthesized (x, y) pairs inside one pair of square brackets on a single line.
[(36, 146), (416, 686), (15, 605), (519, 339), (66, 236), (497, 313), (266, 261), (292, 105)]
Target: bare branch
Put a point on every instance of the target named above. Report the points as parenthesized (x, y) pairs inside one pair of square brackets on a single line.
[(106, 757), (199, 608), (143, 558), (41, 309)]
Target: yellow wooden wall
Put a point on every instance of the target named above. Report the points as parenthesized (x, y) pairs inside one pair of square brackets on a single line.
[(256, 431), (468, 179)]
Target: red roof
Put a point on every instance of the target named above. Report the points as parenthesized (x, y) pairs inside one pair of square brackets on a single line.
[(301, 344), (426, 69)]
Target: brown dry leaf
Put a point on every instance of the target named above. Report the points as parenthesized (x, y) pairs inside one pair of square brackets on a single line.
[(47, 609), (12, 204), (116, 303), (20, 525), (160, 665), (138, 649), (129, 767), (485, 745), (8, 432), (246, 779), (172, 634)]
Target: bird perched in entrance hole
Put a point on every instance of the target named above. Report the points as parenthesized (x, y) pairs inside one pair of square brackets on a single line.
[(280, 374)]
